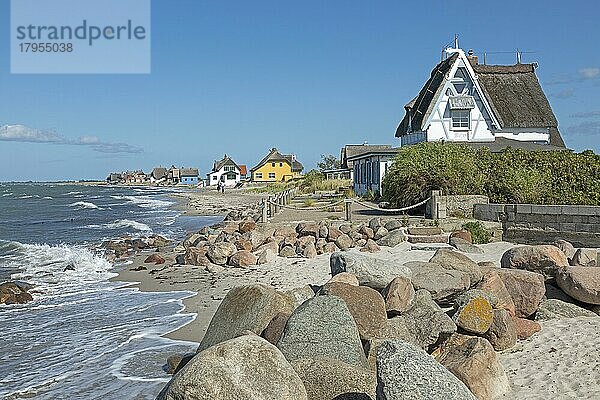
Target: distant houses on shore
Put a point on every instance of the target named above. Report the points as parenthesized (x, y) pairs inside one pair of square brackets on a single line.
[(274, 167)]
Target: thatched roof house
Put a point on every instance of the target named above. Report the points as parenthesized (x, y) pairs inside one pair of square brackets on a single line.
[(465, 101)]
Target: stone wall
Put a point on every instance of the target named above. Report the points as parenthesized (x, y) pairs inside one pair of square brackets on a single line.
[(462, 205), (530, 223)]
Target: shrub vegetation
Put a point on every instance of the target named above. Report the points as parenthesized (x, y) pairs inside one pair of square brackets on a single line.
[(479, 233), (512, 176)]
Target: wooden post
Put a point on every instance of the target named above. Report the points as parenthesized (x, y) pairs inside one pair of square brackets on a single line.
[(265, 211), (348, 209), (271, 207)]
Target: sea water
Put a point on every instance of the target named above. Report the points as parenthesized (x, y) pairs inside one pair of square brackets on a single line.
[(84, 337)]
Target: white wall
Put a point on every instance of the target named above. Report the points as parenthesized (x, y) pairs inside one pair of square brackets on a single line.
[(219, 173)]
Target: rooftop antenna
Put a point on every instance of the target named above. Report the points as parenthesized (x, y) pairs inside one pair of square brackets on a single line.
[(456, 41)]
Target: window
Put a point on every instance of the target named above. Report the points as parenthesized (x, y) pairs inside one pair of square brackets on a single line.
[(229, 168), (271, 175), (214, 178), (272, 164), (258, 175), (461, 119), (231, 176), (281, 164)]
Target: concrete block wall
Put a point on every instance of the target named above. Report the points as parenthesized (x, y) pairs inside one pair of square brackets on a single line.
[(567, 218)]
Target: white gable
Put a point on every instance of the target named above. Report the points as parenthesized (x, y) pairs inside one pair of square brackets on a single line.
[(461, 112)]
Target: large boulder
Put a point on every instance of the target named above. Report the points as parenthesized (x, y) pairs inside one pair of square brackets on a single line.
[(247, 225), (544, 259), (474, 361), (464, 246), (473, 311), (427, 322), (525, 288), (493, 284), (242, 258), (220, 252), (15, 293), (273, 331), (398, 295), (255, 237), (393, 238), (365, 304), (244, 368), (380, 232), (405, 372), (558, 309), (581, 283), (344, 242), (322, 327), (502, 334), (370, 271), (308, 229), (194, 256), (333, 233), (525, 328), (453, 260), (393, 224), (299, 295), (443, 284), (566, 247), (330, 379), (249, 307), (154, 259), (585, 258)]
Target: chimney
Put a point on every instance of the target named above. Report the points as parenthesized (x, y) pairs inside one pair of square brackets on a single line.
[(473, 60)]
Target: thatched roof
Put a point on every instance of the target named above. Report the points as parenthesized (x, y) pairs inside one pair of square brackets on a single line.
[(189, 172), (226, 160), (275, 155), (159, 173), (512, 91), (419, 108)]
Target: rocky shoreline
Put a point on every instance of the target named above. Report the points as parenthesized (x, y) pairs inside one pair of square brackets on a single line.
[(372, 315)]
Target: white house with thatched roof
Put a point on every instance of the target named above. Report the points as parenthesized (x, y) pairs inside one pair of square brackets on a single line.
[(226, 171), (464, 101)]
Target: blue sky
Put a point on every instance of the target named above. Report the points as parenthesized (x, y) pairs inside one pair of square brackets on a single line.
[(240, 77)]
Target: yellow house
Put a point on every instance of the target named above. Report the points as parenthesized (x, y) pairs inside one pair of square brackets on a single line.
[(277, 167)]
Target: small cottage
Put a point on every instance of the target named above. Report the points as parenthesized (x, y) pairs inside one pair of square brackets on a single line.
[(464, 101), (350, 151), (158, 175), (189, 176), (226, 171), (369, 167), (173, 175), (277, 167)]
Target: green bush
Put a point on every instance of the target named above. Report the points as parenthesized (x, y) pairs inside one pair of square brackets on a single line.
[(479, 234), (512, 176)]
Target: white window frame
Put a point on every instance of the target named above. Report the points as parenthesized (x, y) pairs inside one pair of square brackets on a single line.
[(258, 175), (272, 175), (458, 120)]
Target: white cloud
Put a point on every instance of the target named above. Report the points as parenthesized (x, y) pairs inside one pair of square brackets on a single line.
[(589, 73), (22, 133), (564, 94), (588, 114), (588, 128)]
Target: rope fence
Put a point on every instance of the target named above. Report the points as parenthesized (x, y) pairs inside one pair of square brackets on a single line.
[(282, 200)]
